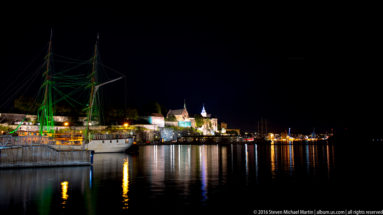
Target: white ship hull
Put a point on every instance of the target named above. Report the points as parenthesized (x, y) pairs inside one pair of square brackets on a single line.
[(101, 146), (113, 145)]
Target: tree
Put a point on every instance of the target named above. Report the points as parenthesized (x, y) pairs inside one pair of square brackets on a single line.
[(232, 133), (63, 110), (199, 120), (171, 118), (152, 107), (157, 107), (131, 114), (115, 116), (25, 104)]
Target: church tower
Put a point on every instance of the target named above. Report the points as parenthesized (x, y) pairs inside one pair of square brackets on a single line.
[(203, 112)]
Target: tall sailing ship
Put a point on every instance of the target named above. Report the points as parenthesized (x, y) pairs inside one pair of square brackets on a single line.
[(77, 138)]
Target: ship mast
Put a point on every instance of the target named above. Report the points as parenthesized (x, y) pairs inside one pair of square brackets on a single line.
[(46, 109), (92, 91)]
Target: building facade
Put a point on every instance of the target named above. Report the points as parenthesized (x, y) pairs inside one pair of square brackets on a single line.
[(157, 119), (181, 118), (210, 124)]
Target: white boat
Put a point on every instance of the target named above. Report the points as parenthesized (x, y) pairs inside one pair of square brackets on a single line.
[(100, 146), (109, 145)]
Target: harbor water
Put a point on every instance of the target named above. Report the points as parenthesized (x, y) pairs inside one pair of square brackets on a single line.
[(197, 179)]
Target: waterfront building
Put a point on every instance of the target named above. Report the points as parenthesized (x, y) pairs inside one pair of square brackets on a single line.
[(180, 118), (150, 127), (157, 119), (223, 127), (16, 118), (210, 125)]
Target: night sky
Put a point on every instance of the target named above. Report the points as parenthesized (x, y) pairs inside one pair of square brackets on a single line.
[(293, 69)]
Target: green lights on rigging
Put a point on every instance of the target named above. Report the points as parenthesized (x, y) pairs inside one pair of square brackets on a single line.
[(70, 86), (45, 111)]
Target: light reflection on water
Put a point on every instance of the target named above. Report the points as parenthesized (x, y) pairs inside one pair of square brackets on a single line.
[(64, 192), (125, 184), (159, 174)]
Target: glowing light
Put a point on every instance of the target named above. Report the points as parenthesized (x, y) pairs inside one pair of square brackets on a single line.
[(66, 123), (64, 192), (125, 184), (272, 156), (271, 136), (203, 170), (126, 124)]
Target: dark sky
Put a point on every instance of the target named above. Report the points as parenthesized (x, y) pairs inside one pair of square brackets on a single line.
[(294, 69)]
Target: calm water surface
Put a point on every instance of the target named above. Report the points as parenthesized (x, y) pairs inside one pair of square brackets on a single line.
[(188, 179)]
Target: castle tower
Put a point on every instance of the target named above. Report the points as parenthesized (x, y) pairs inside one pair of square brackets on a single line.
[(203, 112)]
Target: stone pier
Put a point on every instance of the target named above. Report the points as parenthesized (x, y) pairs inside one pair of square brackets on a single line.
[(42, 156)]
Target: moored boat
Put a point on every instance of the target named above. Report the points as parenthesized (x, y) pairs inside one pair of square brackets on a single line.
[(109, 145)]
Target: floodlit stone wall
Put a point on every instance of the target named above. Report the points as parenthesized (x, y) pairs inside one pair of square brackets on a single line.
[(42, 155)]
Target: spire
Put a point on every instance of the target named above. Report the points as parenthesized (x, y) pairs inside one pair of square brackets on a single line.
[(203, 112)]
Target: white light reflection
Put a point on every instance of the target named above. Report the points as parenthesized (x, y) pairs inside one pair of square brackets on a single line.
[(179, 159), (172, 158)]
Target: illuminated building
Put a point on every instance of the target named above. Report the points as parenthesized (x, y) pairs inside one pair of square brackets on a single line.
[(181, 118), (223, 127), (203, 112), (210, 125), (157, 119)]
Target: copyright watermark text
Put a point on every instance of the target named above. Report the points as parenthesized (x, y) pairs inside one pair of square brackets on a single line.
[(317, 212)]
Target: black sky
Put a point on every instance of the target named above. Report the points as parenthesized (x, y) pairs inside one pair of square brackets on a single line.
[(294, 69)]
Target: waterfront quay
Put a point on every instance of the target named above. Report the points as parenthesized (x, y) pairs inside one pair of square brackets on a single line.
[(200, 140), (21, 152)]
